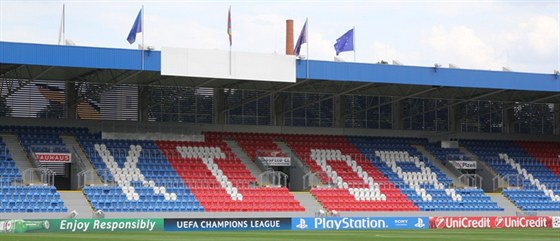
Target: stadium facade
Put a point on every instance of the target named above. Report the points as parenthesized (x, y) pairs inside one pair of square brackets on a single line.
[(361, 138)]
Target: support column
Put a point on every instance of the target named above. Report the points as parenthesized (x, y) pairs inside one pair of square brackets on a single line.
[(339, 109), (557, 119), (509, 120), (454, 116), (71, 101), (398, 114), (278, 109), (145, 100), (219, 116)]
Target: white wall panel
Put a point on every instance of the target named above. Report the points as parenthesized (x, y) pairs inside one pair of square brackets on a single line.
[(216, 64)]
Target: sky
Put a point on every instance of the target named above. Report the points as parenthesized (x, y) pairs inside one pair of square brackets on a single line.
[(523, 36)]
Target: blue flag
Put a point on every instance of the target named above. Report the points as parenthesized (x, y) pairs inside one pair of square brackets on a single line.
[(302, 39), (136, 28), (345, 42)]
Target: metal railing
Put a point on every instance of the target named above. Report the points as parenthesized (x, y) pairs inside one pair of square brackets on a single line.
[(508, 181), (122, 153), (40, 175), (208, 184), (471, 180), (261, 165), (316, 179), (87, 178), (59, 168), (77, 158), (555, 187), (300, 164), (9, 180), (147, 127), (460, 157), (273, 179), (498, 183)]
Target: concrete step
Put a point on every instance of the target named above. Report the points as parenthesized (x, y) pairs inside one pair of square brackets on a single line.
[(79, 154), (484, 170), (454, 177), (20, 156), (76, 200), (509, 208), (288, 151), (477, 159), (299, 181), (308, 202), (255, 171)]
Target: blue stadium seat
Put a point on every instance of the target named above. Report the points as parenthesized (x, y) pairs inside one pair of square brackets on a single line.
[(523, 193), (152, 165), (441, 198)]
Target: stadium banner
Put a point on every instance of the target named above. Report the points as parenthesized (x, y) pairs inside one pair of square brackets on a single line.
[(81, 225), (345, 223), (466, 165), (556, 222), (276, 161), (490, 222), (53, 157), (217, 224)]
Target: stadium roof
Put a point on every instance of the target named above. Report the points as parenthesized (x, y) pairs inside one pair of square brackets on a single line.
[(126, 66)]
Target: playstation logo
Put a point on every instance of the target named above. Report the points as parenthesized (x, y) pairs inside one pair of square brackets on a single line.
[(420, 223), (302, 224)]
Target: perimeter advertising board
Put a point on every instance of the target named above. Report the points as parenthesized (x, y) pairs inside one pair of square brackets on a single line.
[(248, 224), (215, 224), (346, 223), (490, 222), (81, 225)]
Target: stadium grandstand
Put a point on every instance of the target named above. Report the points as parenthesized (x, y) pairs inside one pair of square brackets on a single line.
[(143, 133)]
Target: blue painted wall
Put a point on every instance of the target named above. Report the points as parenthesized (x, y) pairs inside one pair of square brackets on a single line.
[(76, 56), (396, 74)]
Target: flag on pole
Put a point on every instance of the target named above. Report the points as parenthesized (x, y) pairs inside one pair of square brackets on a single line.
[(229, 26), (137, 27), (345, 42), (62, 27), (302, 39)]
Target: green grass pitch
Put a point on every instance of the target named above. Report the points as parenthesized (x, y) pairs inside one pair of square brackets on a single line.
[(416, 235)]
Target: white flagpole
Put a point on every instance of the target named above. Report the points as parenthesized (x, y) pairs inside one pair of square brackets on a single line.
[(61, 37), (63, 24), (143, 33), (230, 36), (307, 47), (354, 42)]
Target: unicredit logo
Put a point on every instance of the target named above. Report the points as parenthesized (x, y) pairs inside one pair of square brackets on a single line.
[(439, 222), (490, 222), (462, 222), (499, 222), (522, 222)]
